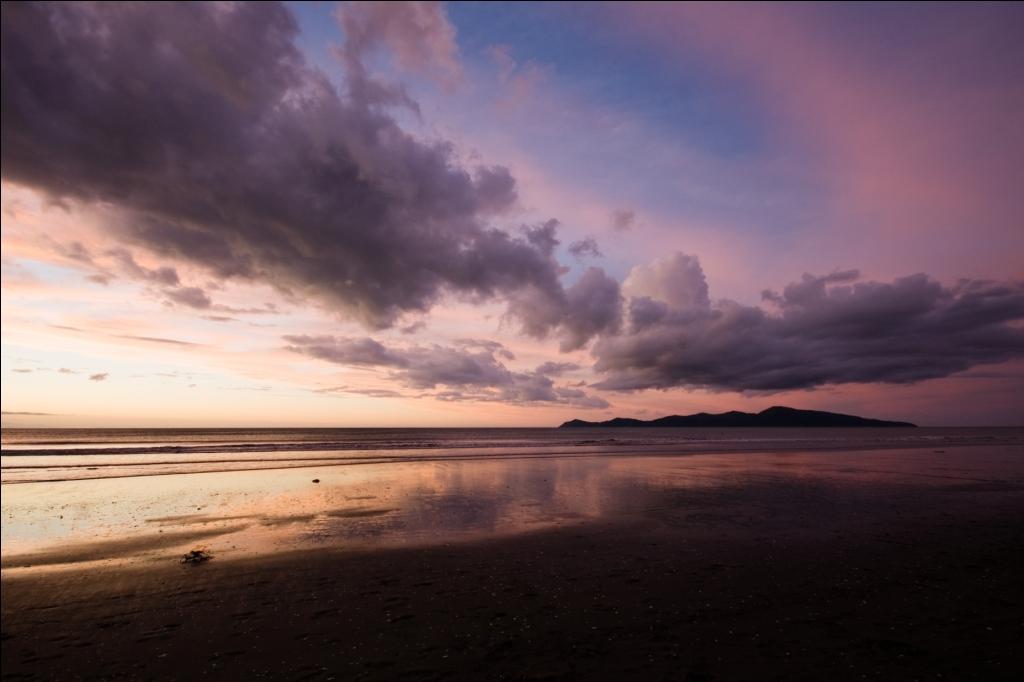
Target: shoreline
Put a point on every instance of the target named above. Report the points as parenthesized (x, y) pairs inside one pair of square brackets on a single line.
[(893, 564)]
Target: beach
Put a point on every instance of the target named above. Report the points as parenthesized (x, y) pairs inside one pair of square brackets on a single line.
[(511, 341), (885, 563)]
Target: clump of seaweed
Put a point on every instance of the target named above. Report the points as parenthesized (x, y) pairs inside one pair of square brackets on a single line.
[(196, 556)]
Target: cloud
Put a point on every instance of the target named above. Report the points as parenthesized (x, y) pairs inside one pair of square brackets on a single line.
[(823, 330), (585, 248), (265, 309), (809, 287), (591, 306), (623, 220), (75, 251), (414, 327), (224, 150), (677, 280), (130, 337), (100, 376), (155, 339), (556, 369), (487, 345), (191, 297), (367, 392), (469, 370), (22, 371), (418, 34), (577, 398), (345, 351), (164, 275), (29, 414), (519, 82), (502, 57), (118, 260)]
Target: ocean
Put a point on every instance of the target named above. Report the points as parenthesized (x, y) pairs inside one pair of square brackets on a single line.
[(50, 455), (148, 495)]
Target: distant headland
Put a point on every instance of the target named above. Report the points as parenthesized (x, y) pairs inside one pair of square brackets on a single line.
[(773, 416)]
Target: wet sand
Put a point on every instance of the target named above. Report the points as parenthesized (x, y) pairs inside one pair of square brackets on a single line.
[(884, 566)]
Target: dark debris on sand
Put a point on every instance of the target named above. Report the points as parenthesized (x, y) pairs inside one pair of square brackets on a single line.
[(195, 557)]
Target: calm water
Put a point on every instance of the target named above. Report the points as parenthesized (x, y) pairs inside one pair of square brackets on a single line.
[(36, 455), (149, 495)]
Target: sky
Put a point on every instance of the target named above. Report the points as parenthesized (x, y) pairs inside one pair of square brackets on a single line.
[(503, 214)]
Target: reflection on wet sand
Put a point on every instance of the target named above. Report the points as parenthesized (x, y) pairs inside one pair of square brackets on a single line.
[(352, 507)]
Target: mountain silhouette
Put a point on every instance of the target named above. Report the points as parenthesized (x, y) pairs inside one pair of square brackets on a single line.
[(773, 416)]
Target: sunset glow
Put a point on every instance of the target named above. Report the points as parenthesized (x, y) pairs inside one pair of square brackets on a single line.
[(467, 214)]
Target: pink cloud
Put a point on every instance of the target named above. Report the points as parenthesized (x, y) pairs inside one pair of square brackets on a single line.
[(418, 34), (519, 81)]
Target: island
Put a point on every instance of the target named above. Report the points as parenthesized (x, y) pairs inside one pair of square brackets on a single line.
[(773, 416)]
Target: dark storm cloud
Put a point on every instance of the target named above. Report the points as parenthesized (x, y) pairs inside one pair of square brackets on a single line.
[(467, 371), (824, 330), (591, 306), (223, 149)]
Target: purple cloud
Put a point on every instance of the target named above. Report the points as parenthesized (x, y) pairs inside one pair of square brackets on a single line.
[(225, 150), (623, 220), (191, 297), (585, 248), (466, 371), (824, 330)]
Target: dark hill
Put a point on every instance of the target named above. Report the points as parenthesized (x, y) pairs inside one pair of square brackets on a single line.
[(773, 416)]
